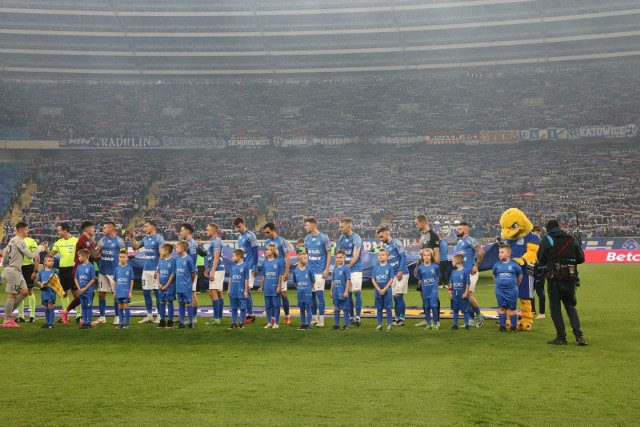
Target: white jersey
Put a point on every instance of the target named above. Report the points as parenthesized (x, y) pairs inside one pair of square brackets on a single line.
[(15, 252)]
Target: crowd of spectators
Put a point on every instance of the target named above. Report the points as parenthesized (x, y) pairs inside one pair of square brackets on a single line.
[(373, 186), (361, 106)]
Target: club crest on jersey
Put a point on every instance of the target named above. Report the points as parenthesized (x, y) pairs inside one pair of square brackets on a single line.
[(520, 241)]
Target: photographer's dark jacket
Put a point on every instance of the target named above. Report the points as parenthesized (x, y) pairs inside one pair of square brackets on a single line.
[(554, 242)]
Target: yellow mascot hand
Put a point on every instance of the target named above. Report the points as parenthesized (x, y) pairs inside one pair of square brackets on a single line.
[(531, 256), (520, 261)]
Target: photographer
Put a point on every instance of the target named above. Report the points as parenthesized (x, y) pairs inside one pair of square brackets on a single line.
[(560, 252)]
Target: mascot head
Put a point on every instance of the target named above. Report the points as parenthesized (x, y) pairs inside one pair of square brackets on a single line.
[(515, 224)]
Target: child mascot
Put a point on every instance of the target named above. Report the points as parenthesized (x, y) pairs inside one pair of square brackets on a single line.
[(516, 232)]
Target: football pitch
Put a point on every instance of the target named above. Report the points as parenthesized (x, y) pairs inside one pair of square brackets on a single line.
[(255, 377)]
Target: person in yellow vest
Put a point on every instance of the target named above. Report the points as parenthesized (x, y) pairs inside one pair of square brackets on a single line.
[(29, 272), (65, 246)]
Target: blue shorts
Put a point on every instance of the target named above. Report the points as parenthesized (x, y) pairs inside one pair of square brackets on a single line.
[(302, 298), (526, 288), (341, 304), (304, 305), (429, 301), (167, 296), (47, 302), (184, 297), (384, 301), (86, 300), (238, 303), (460, 304), (123, 300), (272, 301), (507, 298)]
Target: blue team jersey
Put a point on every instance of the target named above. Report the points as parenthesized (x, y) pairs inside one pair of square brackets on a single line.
[(193, 250), (506, 274), (249, 244), (349, 244), (48, 293), (271, 271), (239, 274), (444, 250), (429, 274), (151, 246), (382, 274), (283, 248), (466, 246), (123, 277), (396, 250), (84, 274), (108, 260), (215, 246), (340, 276), (304, 280), (459, 280), (184, 268), (317, 248), (166, 267)]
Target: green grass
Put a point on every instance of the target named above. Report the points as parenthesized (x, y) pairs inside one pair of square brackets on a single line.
[(210, 376)]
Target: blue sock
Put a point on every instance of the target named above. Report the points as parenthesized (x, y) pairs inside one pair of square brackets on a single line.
[(121, 316), (477, 310), (436, 314), (514, 320), (127, 316), (403, 307), (267, 311), (346, 317), (234, 315), (336, 317), (214, 304), (455, 317), (181, 311), (352, 306), (358, 296), (308, 323), (115, 306), (465, 316), (314, 303), (379, 316), (87, 317), (49, 316), (276, 313), (303, 315), (397, 301), (285, 305), (148, 303), (220, 308), (249, 305), (162, 311), (192, 313), (170, 310), (427, 313), (243, 315), (321, 302), (156, 294), (470, 313), (389, 316), (502, 318), (102, 306)]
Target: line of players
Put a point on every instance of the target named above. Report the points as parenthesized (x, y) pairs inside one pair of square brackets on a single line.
[(168, 277)]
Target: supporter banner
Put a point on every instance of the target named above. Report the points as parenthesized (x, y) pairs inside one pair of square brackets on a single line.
[(471, 139), (95, 142), (192, 142), (499, 136), (538, 134), (605, 131), (247, 142), (622, 243), (336, 141), (174, 112), (443, 138), (613, 257), (292, 142), (400, 140)]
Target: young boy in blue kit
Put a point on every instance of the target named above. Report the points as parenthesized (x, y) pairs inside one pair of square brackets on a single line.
[(123, 277), (272, 271), (166, 272), (238, 289), (48, 293), (304, 279), (382, 278), (185, 275), (459, 283), (507, 274), (85, 279), (340, 285), (428, 279)]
